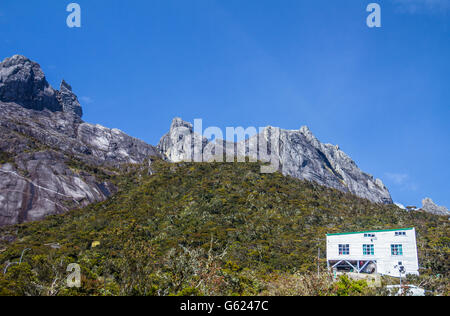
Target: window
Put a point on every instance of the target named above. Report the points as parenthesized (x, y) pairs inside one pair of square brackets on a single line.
[(400, 233), (368, 250), (369, 235), (396, 250), (344, 249)]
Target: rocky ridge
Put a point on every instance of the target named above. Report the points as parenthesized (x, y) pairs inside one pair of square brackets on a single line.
[(45, 141), (429, 206), (298, 153)]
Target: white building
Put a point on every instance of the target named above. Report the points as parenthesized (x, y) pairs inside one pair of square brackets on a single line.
[(381, 251)]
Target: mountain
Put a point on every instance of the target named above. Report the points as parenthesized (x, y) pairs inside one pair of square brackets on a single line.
[(206, 229), (297, 152), (51, 161), (140, 223), (429, 206)]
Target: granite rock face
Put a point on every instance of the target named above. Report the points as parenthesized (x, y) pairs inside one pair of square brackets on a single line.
[(297, 153), (23, 82), (69, 100), (429, 206), (44, 140), (178, 144)]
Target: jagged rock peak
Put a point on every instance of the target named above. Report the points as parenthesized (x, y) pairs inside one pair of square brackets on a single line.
[(177, 145), (178, 122), (305, 130), (69, 100), (23, 82), (299, 153), (65, 86), (429, 206), (309, 136), (18, 60)]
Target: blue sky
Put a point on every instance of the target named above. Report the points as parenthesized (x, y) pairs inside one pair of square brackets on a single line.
[(382, 94)]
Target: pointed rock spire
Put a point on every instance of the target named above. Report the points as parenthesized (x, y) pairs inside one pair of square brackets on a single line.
[(69, 100)]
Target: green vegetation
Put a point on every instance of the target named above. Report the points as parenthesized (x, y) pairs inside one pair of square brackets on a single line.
[(6, 157), (208, 229), (101, 173)]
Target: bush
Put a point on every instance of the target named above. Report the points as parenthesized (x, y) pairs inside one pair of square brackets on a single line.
[(210, 229)]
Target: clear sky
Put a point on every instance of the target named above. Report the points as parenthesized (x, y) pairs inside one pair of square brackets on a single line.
[(382, 94)]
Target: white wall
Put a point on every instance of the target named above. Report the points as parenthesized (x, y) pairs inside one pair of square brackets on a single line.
[(382, 250)]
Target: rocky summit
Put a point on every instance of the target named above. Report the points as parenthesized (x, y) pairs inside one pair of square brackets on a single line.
[(298, 152), (50, 160), (429, 206)]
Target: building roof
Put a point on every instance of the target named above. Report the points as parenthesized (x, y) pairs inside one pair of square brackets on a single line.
[(372, 231)]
